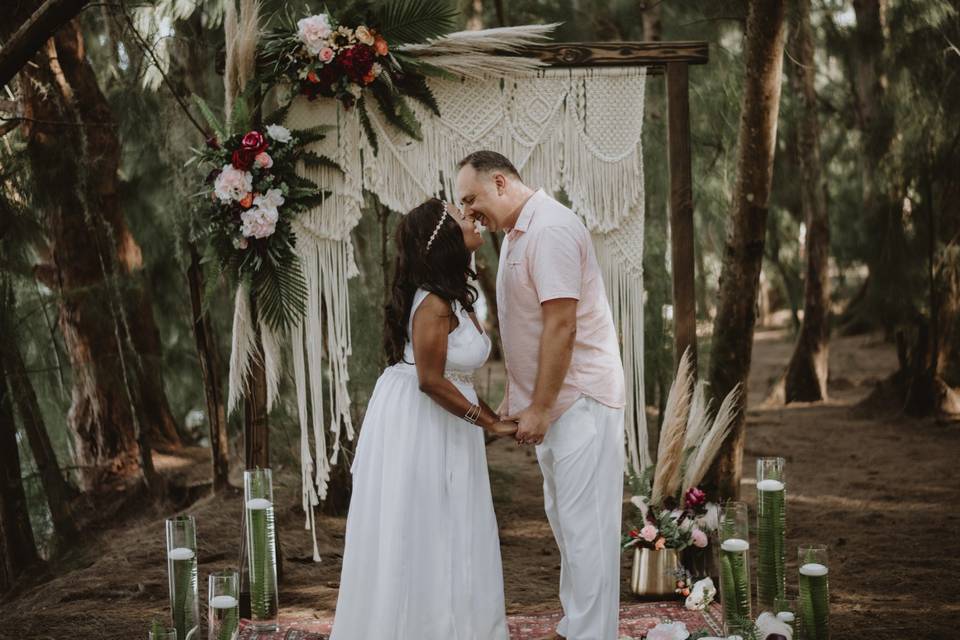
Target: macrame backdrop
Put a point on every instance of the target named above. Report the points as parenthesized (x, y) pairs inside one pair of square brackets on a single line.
[(572, 130)]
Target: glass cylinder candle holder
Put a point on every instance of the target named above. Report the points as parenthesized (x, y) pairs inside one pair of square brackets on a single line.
[(262, 549), (182, 576), (734, 535), (158, 632), (223, 610), (814, 591), (771, 531), (787, 610)]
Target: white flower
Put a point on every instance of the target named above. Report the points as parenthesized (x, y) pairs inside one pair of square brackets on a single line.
[(364, 35), (711, 520), (313, 32), (279, 133), (669, 631), (259, 222), (376, 69), (232, 183), (768, 624), (701, 595), (272, 199)]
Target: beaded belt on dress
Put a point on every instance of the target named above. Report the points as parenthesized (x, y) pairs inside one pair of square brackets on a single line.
[(463, 377), (459, 376)]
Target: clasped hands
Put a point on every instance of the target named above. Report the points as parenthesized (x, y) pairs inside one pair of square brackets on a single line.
[(527, 427)]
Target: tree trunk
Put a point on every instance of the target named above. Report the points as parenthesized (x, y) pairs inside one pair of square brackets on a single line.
[(118, 402), (807, 372), (210, 369), (17, 547), (58, 492), (881, 199), (743, 253)]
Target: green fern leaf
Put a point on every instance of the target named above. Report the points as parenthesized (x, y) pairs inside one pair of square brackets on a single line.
[(211, 119), (367, 127)]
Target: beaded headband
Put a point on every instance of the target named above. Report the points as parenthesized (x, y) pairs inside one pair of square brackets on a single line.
[(436, 230)]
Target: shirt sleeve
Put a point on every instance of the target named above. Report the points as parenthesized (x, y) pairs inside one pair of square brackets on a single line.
[(556, 264)]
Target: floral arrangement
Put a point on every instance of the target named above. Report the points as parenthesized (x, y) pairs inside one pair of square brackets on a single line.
[(355, 52), (672, 510), (253, 194), (672, 525)]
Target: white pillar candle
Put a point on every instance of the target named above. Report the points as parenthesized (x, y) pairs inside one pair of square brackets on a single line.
[(769, 485), (813, 569), (223, 602), (180, 553), (258, 504), (734, 544)]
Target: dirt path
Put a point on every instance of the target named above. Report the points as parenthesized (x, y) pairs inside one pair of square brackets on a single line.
[(882, 494)]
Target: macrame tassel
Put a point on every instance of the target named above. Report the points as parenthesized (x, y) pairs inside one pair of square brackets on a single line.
[(243, 347), (623, 279)]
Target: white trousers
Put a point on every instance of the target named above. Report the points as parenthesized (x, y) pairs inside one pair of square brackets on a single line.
[(582, 461)]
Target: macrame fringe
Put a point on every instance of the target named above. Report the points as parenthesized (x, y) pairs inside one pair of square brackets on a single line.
[(575, 130)]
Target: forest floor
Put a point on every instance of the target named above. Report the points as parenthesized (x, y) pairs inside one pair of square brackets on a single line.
[(883, 493)]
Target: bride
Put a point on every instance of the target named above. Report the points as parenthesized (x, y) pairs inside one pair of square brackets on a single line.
[(422, 554)]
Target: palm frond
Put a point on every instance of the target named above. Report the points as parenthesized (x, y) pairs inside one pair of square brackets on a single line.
[(410, 21), (280, 287)]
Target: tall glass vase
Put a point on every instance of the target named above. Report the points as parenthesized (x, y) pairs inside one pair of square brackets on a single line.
[(771, 531), (734, 552), (223, 617), (262, 549), (814, 592), (182, 576)]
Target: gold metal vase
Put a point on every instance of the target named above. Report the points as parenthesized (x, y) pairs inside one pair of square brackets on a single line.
[(654, 572)]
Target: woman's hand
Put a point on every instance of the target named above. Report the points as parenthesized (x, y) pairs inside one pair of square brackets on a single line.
[(503, 428)]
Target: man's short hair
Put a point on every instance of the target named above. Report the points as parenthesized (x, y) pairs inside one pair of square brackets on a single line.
[(489, 162)]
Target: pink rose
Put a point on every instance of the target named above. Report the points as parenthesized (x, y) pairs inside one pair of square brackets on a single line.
[(325, 55), (649, 533), (699, 537), (263, 160)]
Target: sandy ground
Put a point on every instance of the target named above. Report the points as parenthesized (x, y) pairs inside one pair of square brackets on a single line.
[(882, 493)]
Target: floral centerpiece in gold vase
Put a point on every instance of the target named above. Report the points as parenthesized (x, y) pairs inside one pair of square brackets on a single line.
[(669, 532)]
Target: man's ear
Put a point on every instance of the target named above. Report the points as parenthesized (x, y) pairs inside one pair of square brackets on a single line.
[(501, 181)]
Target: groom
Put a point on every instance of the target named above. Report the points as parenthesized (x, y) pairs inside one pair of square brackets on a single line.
[(565, 383)]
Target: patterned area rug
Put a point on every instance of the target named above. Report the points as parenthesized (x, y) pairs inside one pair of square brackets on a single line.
[(635, 621)]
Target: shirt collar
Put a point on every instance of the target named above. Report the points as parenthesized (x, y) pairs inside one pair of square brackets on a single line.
[(529, 208)]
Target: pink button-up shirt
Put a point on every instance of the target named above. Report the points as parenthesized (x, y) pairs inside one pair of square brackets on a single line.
[(548, 255)]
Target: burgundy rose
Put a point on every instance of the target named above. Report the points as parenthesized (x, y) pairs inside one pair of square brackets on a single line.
[(212, 175), (694, 497), (254, 141), (357, 61), (243, 158)]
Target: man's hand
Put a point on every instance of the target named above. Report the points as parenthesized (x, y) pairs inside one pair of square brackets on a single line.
[(532, 425)]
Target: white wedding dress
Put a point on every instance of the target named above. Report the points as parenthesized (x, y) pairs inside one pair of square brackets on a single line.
[(422, 553)]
